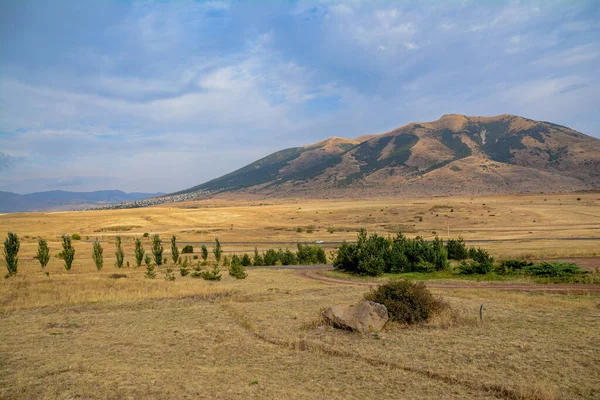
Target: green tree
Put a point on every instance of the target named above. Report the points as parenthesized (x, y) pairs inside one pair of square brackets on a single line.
[(139, 252), (217, 251), (97, 251), (11, 251), (119, 253), (157, 249), (43, 253), (174, 250), (204, 253), (150, 272), (68, 252), (237, 269)]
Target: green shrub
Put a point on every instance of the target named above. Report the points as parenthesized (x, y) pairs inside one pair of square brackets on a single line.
[(195, 257), (97, 251), (258, 261), (374, 255), (457, 250), (407, 302), (150, 273), (12, 243), (246, 261), (310, 254), (288, 258), (76, 236), (226, 261), (68, 252), (509, 266), (169, 275), (553, 269), (213, 275), (145, 234), (237, 269), (43, 253), (187, 249), (270, 257), (474, 267)]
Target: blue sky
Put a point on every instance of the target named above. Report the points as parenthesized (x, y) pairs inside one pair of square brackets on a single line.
[(161, 96)]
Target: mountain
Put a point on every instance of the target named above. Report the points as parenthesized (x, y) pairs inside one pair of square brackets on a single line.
[(63, 200), (456, 154)]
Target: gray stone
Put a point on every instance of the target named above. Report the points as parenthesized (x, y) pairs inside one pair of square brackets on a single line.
[(365, 317)]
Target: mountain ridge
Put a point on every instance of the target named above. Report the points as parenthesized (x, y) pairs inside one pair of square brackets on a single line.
[(456, 154)]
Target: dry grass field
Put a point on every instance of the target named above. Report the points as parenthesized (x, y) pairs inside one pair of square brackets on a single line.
[(83, 335)]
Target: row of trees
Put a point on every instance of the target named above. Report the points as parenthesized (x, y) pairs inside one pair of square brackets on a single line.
[(306, 254), (12, 245)]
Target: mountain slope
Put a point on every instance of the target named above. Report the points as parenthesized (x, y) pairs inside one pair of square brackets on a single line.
[(453, 155), (63, 200)]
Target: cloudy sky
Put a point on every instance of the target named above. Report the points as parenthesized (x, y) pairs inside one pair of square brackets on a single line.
[(161, 96)]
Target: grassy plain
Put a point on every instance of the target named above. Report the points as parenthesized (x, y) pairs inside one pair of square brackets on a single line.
[(84, 335)]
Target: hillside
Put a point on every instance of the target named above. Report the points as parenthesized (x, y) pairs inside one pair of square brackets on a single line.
[(453, 155), (63, 200)]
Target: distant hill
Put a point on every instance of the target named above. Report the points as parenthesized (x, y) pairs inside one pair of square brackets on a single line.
[(62, 200), (456, 154)]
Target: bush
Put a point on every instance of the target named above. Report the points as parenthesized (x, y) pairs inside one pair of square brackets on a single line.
[(145, 234), (553, 269), (374, 255), (288, 258), (258, 261), (150, 273), (187, 249), (509, 266), (474, 267), (270, 257), (407, 302), (76, 236), (246, 261), (169, 275), (237, 269), (195, 257), (310, 254), (12, 243), (457, 250), (213, 275), (117, 276)]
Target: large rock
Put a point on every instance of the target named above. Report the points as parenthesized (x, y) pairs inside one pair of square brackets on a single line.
[(365, 317)]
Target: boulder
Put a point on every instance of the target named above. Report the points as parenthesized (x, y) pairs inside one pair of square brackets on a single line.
[(365, 317)]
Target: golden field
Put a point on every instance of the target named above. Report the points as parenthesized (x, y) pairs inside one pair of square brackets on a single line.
[(83, 335)]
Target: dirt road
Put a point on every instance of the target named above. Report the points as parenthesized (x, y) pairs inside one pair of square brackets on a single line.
[(317, 274)]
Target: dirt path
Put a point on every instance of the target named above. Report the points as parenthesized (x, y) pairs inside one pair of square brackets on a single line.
[(317, 274)]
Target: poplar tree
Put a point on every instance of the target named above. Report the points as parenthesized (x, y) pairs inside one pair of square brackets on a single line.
[(11, 251), (97, 251), (119, 253), (43, 253), (157, 249), (174, 250), (139, 252), (68, 252)]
